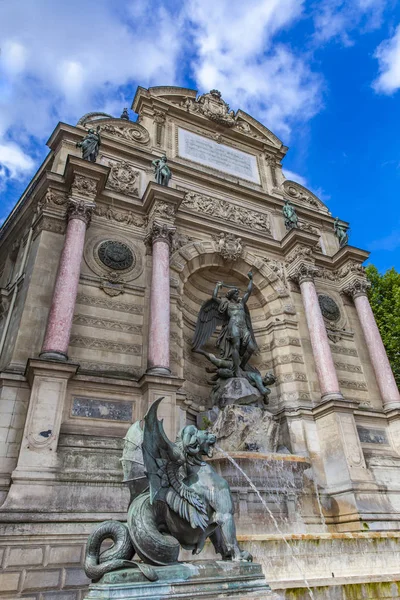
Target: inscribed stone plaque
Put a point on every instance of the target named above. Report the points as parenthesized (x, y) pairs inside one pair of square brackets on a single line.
[(93, 408), (217, 156), (369, 435)]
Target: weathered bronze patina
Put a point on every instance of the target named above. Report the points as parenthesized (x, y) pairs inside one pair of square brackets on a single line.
[(176, 500), (162, 173), (236, 342), (290, 215), (90, 145)]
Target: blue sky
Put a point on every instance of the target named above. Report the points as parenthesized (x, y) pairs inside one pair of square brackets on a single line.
[(323, 75)]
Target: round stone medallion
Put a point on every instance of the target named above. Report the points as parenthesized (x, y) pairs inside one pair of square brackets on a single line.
[(329, 308), (116, 255)]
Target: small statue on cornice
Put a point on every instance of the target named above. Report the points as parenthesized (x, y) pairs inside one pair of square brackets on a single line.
[(290, 215), (90, 145), (341, 233), (162, 172)]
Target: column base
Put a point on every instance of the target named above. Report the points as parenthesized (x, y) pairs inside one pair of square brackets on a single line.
[(332, 396), (159, 371), (388, 406), (53, 355)]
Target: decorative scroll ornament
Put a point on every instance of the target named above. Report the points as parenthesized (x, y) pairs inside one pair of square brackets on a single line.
[(113, 284), (303, 195), (350, 268), (79, 209), (84, 186), (212, 106), (123, 177), (229, 246), (159, 232), (129, 133), (116, 255), (357, 287), (227, 211)]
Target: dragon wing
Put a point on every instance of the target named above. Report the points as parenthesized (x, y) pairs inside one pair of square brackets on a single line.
[(165, 469), (207, 322), (249, 325)]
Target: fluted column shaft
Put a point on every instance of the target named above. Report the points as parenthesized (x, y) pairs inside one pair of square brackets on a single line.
[(380, 362), (59, 324), (159, 236)]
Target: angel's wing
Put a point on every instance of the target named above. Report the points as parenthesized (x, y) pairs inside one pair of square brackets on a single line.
[(249, 325), (165, 469), (207, 322)]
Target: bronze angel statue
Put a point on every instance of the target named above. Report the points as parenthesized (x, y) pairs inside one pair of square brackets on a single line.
[(236, 341), (177, 500)]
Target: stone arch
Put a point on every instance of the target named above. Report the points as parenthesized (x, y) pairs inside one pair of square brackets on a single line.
[(270, 304)]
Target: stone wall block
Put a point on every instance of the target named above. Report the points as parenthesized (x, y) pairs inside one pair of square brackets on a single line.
[(25, 557), (75, 578), (9, 582), (65, 555), (63, 595), (42, 580)]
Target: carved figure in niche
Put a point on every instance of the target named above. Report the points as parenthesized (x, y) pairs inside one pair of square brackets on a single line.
[(234, 381), (90, 145), (236, 339), (176, 499), (290, 215), (162, 172), (341, 233)]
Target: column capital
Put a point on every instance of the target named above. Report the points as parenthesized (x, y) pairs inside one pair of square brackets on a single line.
[(80, 209), (356, 287), (303, 271), (158, 231)]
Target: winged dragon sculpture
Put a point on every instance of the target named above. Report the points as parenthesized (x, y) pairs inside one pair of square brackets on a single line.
[(177, 500), (236, 341)]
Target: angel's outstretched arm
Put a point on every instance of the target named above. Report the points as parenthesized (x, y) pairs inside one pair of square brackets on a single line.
[(249, 288), (215, 292)]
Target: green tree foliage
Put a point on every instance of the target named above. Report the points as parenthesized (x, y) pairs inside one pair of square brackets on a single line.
[(384, 296)]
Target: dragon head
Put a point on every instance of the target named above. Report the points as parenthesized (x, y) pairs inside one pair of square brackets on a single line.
[(194, 443)]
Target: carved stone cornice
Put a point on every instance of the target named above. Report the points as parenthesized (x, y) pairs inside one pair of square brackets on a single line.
[(299, 252), (159, 232), (303, 271), (80, 209), (357, 287)]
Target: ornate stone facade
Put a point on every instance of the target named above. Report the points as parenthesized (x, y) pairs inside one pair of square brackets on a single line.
[(120, 300)]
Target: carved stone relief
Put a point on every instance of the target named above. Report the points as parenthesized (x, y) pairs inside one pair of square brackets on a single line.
[(229, 246), (116, 261), (129, 133), (120, 216), (303, 196), (227, 211), (123, 177)]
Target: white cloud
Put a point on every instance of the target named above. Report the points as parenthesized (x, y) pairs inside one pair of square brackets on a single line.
[(388, 55), (339, 19), (14, 162), (388, 243), (236, 53), (295, 177)]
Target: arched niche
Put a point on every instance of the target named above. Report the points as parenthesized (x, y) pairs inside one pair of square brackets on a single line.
[(196, 268)]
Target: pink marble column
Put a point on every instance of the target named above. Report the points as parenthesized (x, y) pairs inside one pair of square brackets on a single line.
[(159, 235), (58, 331), (380, 362), (323, 359)]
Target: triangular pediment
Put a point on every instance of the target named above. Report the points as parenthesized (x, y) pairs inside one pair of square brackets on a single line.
[(208, 107)]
